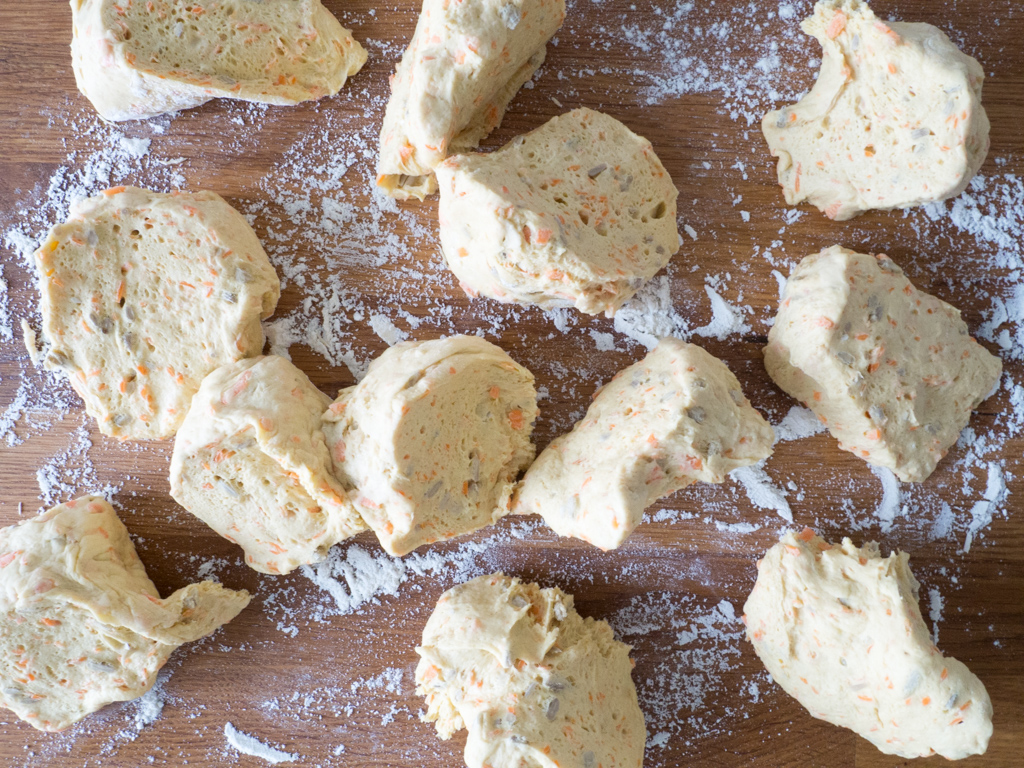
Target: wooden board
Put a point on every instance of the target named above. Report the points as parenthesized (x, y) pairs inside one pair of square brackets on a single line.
[(292, 674)]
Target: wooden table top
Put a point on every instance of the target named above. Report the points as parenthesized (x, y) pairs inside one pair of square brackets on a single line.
[(327, 675)]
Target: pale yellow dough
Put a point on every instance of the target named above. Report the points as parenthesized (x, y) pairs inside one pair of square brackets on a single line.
[(532, 682), (135, 60), (839, 628), (81, 625)]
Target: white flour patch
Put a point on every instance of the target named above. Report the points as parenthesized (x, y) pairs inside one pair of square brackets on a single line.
[(726, 320), (799, 423), (651, 315), (891, 505), (762, 492), (249, 745)]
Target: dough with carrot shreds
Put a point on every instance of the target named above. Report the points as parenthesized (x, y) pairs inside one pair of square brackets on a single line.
[(894, 120), (135, 60), (145, 293), (465, 63), (429, 444), (840, 629), (890, 370), (81, 624), (579, 212), (251, 462), (675, 418), (531, 681)]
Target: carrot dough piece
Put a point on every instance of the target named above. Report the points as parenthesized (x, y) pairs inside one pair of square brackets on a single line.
[(81, 624), (143, 294), (430, 443), (890, 370), (840, 629), (135, 60), (251, 462), (894, 120), (531, 681), (579, 212), (465, 63), (676, 417)]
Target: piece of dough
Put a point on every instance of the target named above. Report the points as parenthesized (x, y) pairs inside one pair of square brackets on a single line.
[(839, 628), (890, 370), (431, 442), (676, 417), (531, 681), (81, 624), (143, 294), (135, 60), (579, 212), (251, 462), (465, 63), (894, 120)]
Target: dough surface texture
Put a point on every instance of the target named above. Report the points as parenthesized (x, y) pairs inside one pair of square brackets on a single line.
[(430, 443), (675, 418), (143, 294), (579, 212), (251, 461), (894, 120), (839, 628), (465, 63), (82, 624), (136, 60), (891, 371), (532, 682)]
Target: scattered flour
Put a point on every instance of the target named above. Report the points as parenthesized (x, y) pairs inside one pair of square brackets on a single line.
[(249, 745), (761, 491), (891, 505)]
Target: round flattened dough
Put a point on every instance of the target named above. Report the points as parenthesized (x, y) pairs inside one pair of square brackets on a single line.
[(890, 370), (532, 681), (839, 628), (137, 60), (676, 417), (464, 64), (143, 294), (251, 462), (81, 625), (579, 212), (894, 120), (430, 443)]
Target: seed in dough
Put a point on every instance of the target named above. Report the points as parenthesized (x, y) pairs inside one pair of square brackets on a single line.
[(890, 370), (840, 629), (531, 681), (251, 461), (430, 443), (81, 624), (145, 293), (894, 120), (675, 418)]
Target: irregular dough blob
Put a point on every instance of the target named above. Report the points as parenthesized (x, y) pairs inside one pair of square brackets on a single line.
[(143, 294), (465, 63), (894, 120), (891, 371), (532, 682), (676, 417), (81, 625), (430, 443), (579, 212), (251, 462), (839, 628), (135, 60)]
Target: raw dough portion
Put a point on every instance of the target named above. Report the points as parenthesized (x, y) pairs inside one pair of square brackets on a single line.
[(137, 60), (251, 462), (81, 625), (430, 443), (579, 212), (143, 294), (675, 418), (839, 628), (465, 63), (891, 371), (894, 120), (532, 681)]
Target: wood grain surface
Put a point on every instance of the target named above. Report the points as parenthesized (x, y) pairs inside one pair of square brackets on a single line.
[(294, 676)]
